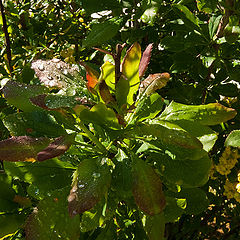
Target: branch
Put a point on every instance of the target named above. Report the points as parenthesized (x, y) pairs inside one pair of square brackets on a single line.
[(7, 38)]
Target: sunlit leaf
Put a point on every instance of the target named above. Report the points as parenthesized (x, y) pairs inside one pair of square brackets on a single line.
[(146, 56), (210, 114), (55, 73), (154, 82), (187, 173), (148, 108), (100, 115), (35, 124), (43, 177), (130, 69), (233, 139), (50, 220), (147, 188), (108, 75)]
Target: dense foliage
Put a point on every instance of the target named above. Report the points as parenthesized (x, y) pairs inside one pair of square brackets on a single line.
[(119, 119)]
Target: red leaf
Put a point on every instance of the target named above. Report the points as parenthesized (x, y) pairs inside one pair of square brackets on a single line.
[(147, 188), (22, 148), (146, 56), (91, 76), (56, 148)]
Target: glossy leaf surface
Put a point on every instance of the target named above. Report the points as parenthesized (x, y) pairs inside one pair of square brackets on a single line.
[(90, 183), (36, 124), (50, 220), (210, 114), (18, 94), (43, 177)]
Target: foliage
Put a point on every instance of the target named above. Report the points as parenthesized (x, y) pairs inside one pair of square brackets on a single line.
[(97, 143)]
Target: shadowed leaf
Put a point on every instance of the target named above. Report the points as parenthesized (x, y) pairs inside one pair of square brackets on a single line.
[(147, 188), (90, 183)]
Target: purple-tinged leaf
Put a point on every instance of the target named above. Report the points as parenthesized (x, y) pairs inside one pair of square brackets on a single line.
[(146, 56), (147, 188), (56, 148), (90, 184), (22, 148), (105, 93)]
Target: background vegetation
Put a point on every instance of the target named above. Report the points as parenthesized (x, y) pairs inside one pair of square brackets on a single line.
[(197, 42)]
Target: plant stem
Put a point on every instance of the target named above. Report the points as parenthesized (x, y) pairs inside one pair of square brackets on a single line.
[(117, 59), (7, 38), (92, 138)]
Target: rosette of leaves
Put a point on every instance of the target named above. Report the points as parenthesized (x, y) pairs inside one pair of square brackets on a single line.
[(131, 155)]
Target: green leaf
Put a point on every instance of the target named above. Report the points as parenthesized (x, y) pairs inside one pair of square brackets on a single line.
[(35, 124), (19, 94), (207, 6), (187, 16), (50, 220), (43, 177), (7, 195), (61, 101), (168, 133), (210, 114), (100, 115), (148, 108), (108, 74), (174, 208), (187, 173), (90, 183), (203, 133), (130, 67), (56, 148), (122, 179), (22, 148), (213, 25), (10, 223), (233, 139), (102, 32), (196, 200), (147, 188), (155, 226), (92, 6)]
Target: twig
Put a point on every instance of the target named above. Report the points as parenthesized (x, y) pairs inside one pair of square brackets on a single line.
[(7, 38)]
